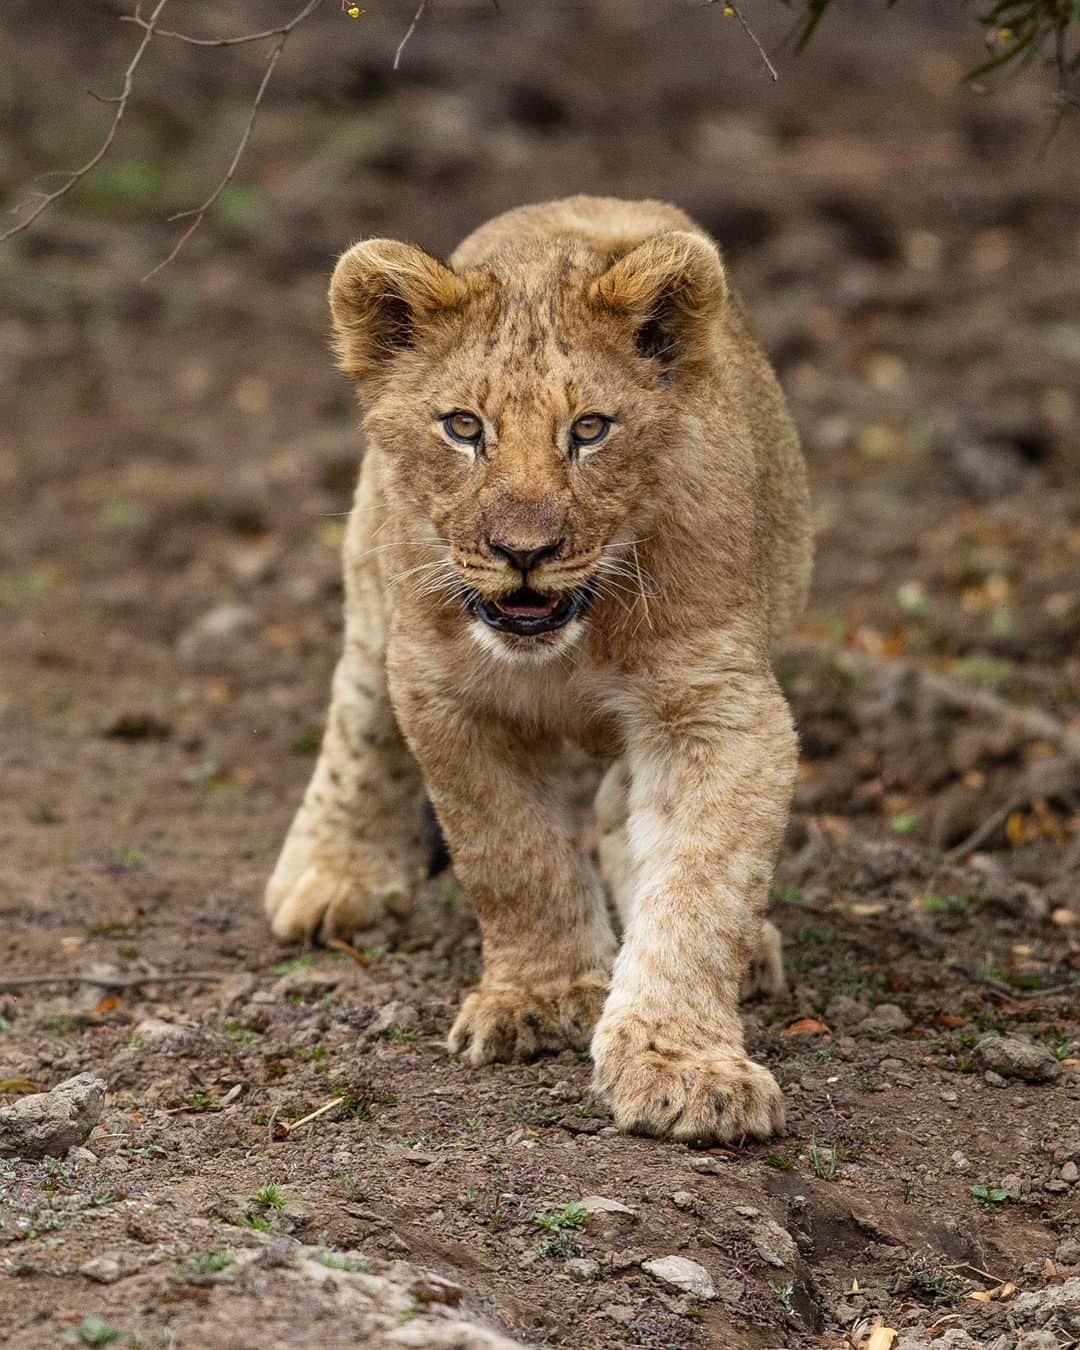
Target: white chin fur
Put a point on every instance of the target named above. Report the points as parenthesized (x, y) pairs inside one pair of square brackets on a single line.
[(532, 651)]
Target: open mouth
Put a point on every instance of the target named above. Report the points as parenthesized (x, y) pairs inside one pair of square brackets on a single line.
[(528, 613)]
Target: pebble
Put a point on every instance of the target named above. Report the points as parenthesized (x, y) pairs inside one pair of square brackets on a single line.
[(710, 1167), (959, 1162), (1067, 1253), (49, 1123), (683, 1274), (102, 1269), (1070, 1173), (886, 1017), (1015, 1057), (215, 631), (683, 1199), (842, 1011), (582, 1269), (156, 1034), (600, 1204), (1013, 1183)]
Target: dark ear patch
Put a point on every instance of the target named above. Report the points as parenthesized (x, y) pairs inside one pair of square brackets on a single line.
[(673, 287), (381, 294)]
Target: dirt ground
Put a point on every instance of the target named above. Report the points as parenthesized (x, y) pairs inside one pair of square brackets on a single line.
[(175, 459)]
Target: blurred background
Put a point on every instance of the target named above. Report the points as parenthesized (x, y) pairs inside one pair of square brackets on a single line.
[(176, 456)]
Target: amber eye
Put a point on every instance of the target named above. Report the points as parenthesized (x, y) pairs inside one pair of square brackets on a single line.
[(589, 430), (463, 427)]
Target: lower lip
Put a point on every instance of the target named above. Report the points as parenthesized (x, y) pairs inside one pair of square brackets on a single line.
[(525, 625)]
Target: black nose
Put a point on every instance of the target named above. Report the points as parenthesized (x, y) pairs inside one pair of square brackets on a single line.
[(524, 559)]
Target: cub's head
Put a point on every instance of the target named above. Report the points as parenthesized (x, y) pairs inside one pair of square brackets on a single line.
[(529, 407)]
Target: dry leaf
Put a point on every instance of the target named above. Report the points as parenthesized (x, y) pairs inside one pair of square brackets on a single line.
[(881, 1338), (806, 1026), (109, 1003), (340, 945), (19, 1086)]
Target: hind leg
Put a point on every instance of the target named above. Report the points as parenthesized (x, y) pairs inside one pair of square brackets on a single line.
[(764, 976), (355, 851), (616, 865)]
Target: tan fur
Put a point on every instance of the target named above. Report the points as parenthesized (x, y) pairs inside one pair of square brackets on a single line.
[(691, 521)]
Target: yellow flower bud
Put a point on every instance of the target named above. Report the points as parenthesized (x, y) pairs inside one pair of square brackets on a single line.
[(354, 11)]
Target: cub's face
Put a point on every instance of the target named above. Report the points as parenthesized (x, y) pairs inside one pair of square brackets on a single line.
[(526, 411)]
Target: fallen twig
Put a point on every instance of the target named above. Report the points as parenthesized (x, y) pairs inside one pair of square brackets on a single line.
[(1007, 990), (112, 981), (986, 830), (1032, 722), (283, 1128)]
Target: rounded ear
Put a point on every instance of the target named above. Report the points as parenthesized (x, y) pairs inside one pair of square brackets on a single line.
[(672, 287), (381, 294)]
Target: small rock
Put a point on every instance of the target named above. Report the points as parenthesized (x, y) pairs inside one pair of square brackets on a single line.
[(710, 1167), (1013, 1183), (683, 1199), (215, 632), (581, 1269), (82, 1157), (309, 982), (431, 1288), (1070, 1173), (395, 1016), (994, 1079), (842, 1011), (1043, 1306), (103, 1269), (959, 1162), (600, 1204), (1038, 1340), (154, 1033), (1015, 1057), (888, 1018), (683, 1274), (564, 1091), (49, 1123), (1067, 1253)]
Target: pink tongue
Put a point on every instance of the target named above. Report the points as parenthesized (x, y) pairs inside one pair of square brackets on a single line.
[(519, 611)]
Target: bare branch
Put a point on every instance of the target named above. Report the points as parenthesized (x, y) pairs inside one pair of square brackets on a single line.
[(77, 175), (737, 12), (267, 33), (113, 981), (409, 32), (198, 213)]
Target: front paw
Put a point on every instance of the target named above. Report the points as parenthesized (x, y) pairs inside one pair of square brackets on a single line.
[(313, 895), (696, 1096), (504, 1022)]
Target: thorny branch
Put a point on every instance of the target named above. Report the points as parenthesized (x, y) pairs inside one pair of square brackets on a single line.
[(77, 175), (1039, 18), (281, 32), (198, 214), (734, 10)]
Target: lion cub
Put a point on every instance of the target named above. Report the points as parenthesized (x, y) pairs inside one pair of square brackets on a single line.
[(582, 519)]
